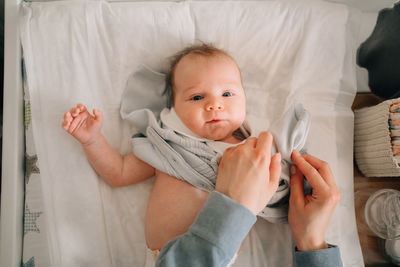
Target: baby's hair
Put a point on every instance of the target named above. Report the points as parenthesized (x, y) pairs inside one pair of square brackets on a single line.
[(205, 50)]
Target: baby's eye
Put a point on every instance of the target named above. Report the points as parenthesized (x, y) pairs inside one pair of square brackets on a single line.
[(227, 94), (197, 97)]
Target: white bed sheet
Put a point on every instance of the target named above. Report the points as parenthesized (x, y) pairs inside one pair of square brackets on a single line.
[(84, 52)]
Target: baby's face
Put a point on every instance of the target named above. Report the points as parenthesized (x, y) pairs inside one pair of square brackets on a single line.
[(209, 96)]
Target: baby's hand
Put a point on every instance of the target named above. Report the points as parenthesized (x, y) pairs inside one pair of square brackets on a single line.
[(83, 126)]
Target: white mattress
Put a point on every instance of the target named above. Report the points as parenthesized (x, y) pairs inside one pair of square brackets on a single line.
[(83, 52)]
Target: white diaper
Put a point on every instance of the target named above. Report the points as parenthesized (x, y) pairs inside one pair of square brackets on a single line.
[(151, 257)]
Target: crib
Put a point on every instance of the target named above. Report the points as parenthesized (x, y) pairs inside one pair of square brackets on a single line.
[(22, 243)]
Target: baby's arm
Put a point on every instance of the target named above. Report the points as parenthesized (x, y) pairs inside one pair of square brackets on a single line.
[(115, 169)]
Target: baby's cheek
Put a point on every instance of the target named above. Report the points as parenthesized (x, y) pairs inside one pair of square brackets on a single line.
[(191, 121), (239, 117)]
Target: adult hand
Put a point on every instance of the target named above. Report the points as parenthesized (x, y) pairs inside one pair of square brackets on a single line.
[(248, 174), (309, 215)]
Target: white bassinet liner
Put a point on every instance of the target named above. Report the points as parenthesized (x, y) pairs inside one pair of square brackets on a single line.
[(84, 52)]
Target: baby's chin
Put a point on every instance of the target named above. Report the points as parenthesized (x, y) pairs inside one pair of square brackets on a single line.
[(222, 137), (220, 132)]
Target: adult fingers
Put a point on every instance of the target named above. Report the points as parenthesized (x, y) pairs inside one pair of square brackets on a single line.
[(251, 141), (312, 175), (275, 169), (296, 187), (322, 167), (226, 156), (264, 142), (229, 151)]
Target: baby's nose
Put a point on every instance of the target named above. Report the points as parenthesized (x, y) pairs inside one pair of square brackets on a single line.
[(214, 106)]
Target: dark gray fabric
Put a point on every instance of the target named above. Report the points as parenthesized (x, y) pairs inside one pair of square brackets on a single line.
[(380, 54)]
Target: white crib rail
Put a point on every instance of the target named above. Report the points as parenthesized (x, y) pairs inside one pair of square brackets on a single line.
[(12, 195)]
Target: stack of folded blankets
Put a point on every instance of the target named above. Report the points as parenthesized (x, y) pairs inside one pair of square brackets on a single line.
[(377, 139), (394, 126)]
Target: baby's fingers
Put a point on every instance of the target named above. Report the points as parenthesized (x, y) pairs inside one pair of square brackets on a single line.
[(98, 115), (67, 121), (81, 107), (76, 123), (65, 125), (77, 110)]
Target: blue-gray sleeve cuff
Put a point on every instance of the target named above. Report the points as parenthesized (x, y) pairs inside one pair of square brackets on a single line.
[(329, 257), (218, 220)]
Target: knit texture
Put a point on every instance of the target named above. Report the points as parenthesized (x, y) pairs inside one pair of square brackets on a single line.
[(372, 142)]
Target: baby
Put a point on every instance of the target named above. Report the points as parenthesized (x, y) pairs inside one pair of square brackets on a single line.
[(206, 94)]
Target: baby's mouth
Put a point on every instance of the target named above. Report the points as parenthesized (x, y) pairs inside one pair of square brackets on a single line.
[(214, 121)]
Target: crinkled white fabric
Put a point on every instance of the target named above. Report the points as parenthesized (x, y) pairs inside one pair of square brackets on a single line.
[(83, 52)]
